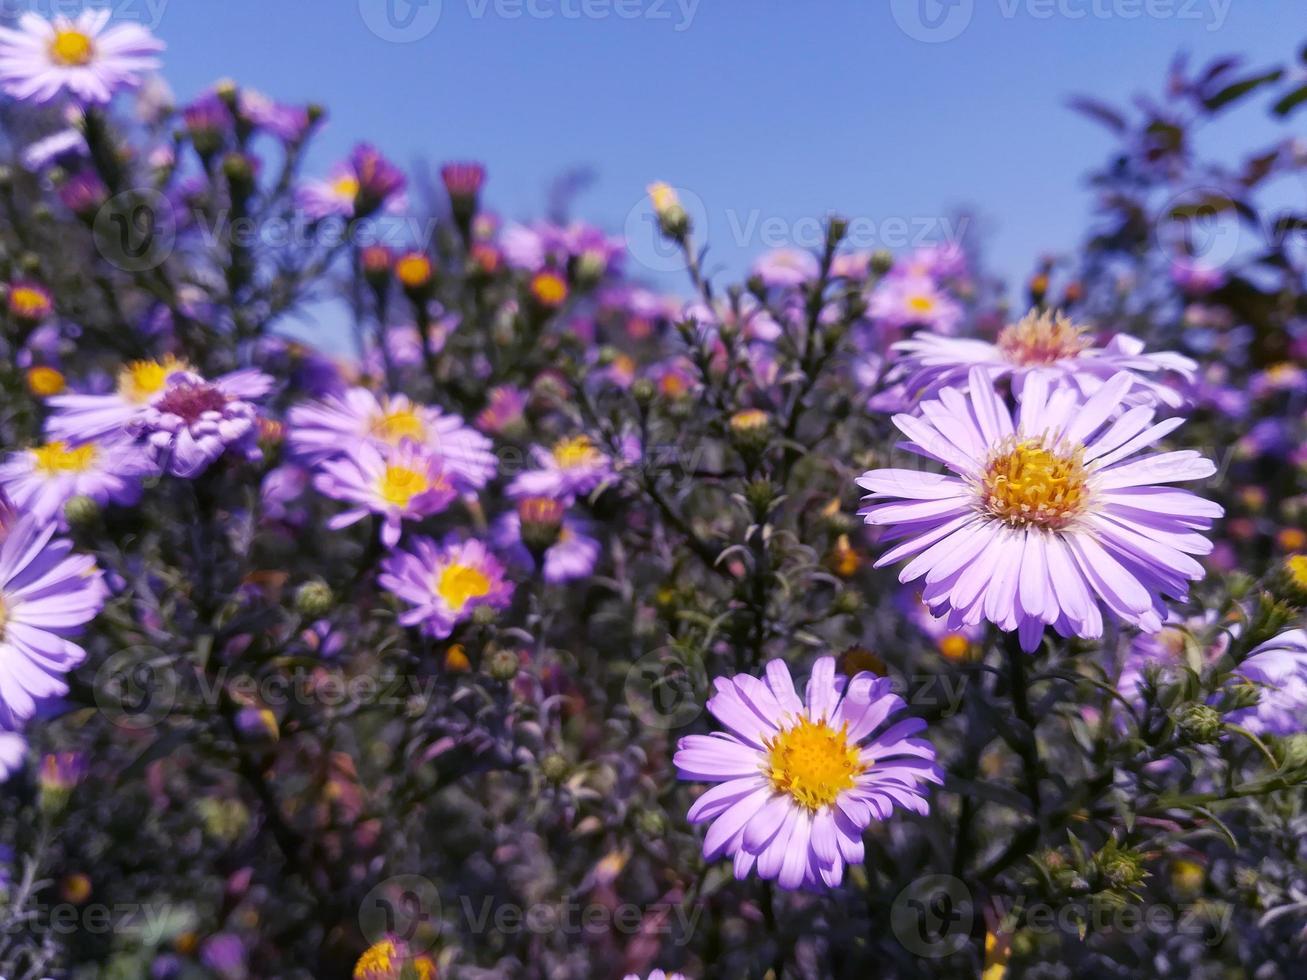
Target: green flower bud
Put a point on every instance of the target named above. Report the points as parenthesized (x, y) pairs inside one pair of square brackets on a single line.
[(503, 665), (555, 767), (314, 599), (81, 511), (1198, 723), (882, 260)]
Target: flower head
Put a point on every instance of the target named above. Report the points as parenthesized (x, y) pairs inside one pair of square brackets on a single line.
[(41, 58), (47, 594), (81, 417), (340, 423), (1045, 342), (799, 783), (573, 467), (444, 584), (387, 959), (1279, 666), (1045, 520), (787, 267), (407, 482), (193, 421), (365, 183), (905, 301), (29, 302), (43, 478)]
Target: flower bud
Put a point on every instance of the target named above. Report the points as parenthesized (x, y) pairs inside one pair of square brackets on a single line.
[(547, 291), (541, 520), (555, 767), (416, 274), (503, 665), (29, 303), (882, 260), (1198, 723), (57, 777), (456, 659), (81, 511), (45, 382), (314, 599), (673, 220), (750, 430)]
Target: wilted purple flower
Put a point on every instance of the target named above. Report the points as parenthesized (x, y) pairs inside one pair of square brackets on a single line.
[(194, 421), (42, 58), (1042, 521), (444, 584), (799, 783)]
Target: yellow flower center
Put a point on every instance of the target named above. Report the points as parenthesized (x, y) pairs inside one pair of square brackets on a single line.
[(749, 420), (4, 618), (400, 484), (663, 196), (921, 303), (28, 302), (72, 48), (813, 763), (459, 584), (44, 382), (394, 427), (577, 451), (954, 646), (1297, 566), (549, 289), (346, 186), (385, 960), (1028, 484), (413, 270), (1042, 338), (56, 457), (140, 381)]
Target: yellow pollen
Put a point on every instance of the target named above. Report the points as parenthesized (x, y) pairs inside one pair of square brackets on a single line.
[(813, 763), (140, 381), (1026, 484), (921, 304), (400, 484), (346, 186), (56, 457), (460, 584), (577, 451), (4, 617), (394, 427), (29, 303), (1042, 338), (44, 382), (549, 289), (1297, 566), (413, 270), (72, 48)]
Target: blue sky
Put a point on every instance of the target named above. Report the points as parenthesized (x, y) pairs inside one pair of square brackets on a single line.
[(769, 112)]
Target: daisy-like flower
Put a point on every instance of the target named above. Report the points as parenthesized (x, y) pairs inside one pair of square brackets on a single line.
[(406, 483), (83, 56), (47, 595), (572, 552), (798, 784), (1279, 666), (1047, 342), (391, 959), (446, 584), (83, 417), (787, 267), (340, 423), (357, 188), (573, 467), (29, 302), (193, 421), (1048, 520), (905, 301), (40, 480)]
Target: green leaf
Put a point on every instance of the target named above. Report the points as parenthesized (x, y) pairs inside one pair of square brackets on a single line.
[(1232, 93)]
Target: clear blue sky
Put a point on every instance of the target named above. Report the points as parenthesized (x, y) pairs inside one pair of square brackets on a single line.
[(763, 109)]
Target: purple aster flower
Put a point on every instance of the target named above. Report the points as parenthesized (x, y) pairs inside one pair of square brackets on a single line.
[(42, 479), (407, 482), (941, 262), (572, 555), (543, 245), (287, 123), (42, 58), (209, 122), (357, 188), (899, 302), (1046, 342), (339, 423), (787, 267), (225, 955), (65, 148), (1280, 667), (81, 417), (13, 754), (47, 594), (798, 784), (505, 410), (1045, 521), (446, 584), (194, 421), (573, 467)]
